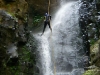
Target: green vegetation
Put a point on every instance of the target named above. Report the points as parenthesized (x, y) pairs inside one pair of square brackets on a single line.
[(17, 66), (92, 41), (92, 72), (37, 19), (24, 54)]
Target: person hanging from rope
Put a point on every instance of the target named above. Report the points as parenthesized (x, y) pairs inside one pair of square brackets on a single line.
[(47, 19)]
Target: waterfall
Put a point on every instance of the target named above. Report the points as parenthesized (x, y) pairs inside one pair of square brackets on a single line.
[(61, 52)]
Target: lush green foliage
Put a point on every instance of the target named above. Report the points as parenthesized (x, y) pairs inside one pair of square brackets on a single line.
[(37, 18)]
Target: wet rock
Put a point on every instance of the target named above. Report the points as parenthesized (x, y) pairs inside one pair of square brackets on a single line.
[(13, 61), (21, 43), (13, 29)]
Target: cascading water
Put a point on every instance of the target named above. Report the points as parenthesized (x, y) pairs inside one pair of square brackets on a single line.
[(61, 52)]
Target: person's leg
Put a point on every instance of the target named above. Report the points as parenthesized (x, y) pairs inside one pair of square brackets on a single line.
[(50, 26), (45, 23)]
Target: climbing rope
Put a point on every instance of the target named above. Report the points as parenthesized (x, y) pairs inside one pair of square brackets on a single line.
[(49, 7), (52, 48)]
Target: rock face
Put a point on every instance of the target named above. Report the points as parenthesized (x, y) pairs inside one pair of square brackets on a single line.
[(13, 21), (41, 6), (90, 22), (83, 22), (13, 36)]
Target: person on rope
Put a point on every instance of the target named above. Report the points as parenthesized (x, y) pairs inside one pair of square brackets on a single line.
[(47, 19)]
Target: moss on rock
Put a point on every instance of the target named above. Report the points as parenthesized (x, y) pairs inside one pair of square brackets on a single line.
[(92, 72)]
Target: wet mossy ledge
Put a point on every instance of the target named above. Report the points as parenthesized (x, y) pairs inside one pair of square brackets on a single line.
[(92, 72), (94, 68)]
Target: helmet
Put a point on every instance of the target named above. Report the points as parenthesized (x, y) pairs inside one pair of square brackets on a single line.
[(46, 14)]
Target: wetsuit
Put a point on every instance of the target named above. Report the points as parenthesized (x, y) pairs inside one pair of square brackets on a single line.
[(47, 19)]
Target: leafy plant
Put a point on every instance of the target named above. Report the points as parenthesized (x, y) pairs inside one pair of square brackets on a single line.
[(37, 19)]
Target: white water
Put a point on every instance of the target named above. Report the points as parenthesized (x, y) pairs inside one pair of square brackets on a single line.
[(60, 50)]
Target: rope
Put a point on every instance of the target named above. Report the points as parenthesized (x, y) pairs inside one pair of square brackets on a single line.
[(49, 7), (52, 48)]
